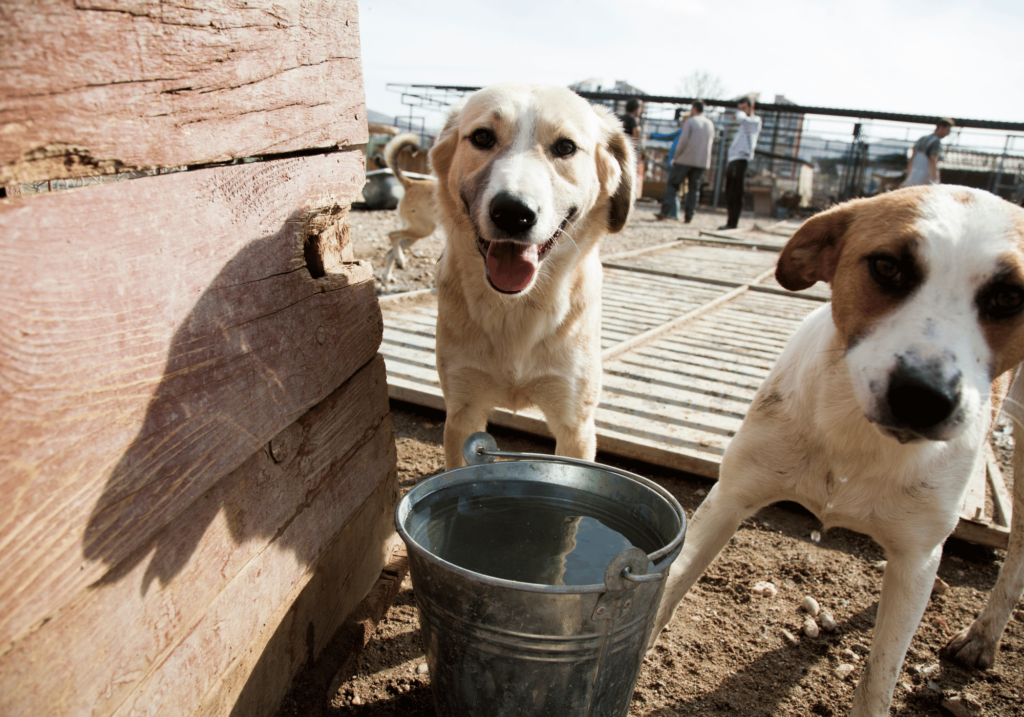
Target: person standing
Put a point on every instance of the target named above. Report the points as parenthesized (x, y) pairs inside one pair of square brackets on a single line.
[(741, 151), (923, 166), (631, 120), (631, 126), (692, 156)]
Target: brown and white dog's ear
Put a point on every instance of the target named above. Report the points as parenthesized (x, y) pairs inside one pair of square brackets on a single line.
[(616, 169), (443, 151), (812, 254)]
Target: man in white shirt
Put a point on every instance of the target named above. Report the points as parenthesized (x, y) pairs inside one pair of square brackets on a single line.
[(691, 158), (923, 167), (741, 151)]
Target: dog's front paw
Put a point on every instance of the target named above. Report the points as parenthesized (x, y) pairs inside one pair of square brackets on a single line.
[(972, 647)]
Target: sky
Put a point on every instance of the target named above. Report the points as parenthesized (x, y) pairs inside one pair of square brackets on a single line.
[(932, 57)]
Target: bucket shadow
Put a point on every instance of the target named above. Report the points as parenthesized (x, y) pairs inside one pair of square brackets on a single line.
[(174, 477)]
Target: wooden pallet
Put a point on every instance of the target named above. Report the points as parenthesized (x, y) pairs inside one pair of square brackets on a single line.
[(689, 331)]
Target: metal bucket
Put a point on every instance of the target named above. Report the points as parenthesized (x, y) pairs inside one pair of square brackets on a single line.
[(498, 647)]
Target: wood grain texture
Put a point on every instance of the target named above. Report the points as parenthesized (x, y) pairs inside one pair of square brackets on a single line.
[(277, 545), (154, 334), (91, 87)]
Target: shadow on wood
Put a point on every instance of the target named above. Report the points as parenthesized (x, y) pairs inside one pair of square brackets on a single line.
[(253, 354)]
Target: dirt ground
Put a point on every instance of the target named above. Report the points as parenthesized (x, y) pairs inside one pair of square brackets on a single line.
[(728, 651)]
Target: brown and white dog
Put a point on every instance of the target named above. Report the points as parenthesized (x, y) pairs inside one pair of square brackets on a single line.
[(877, 410), (529, 179), (415, 208)]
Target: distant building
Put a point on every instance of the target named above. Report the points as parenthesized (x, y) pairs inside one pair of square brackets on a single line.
[(598, 84)]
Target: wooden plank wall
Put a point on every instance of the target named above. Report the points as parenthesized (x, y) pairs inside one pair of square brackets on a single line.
[(98, 86), (198, 465)]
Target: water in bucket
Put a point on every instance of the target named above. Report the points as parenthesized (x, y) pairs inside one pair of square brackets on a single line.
[(529, 539)]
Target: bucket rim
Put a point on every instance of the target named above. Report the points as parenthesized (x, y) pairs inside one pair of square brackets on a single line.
[(458, 476)]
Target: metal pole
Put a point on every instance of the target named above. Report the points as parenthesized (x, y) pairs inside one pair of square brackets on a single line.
[(997, 180), (719, 171)]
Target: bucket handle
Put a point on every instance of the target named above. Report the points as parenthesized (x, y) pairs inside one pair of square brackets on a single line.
[(648, 578), (481, 448)]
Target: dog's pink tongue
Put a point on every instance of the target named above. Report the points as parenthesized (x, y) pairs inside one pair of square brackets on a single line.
[(511, 265)]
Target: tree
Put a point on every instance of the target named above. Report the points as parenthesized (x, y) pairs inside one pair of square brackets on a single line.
[(702, 85)]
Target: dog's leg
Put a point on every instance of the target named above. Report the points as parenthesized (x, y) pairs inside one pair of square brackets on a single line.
[(977, 645), (577, 440), (467, 414), (458, 426), (389, 266), (401, 239), (569, 412), (906, 587), (712, 525)]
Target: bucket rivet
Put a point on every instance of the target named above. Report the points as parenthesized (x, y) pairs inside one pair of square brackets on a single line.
[(628, 604), (601, 610)]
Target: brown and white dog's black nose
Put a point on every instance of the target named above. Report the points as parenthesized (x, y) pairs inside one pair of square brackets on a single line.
[(511, 214), (921, 398)]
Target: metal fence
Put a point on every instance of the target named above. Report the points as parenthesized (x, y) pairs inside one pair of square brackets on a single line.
[(843, 158)]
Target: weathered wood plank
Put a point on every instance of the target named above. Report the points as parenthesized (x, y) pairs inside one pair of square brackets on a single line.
[(1001, 500), (974, 500), (346, 572), (153, 334), (100, 86), (994, 536), (651, 334), (170, 626)]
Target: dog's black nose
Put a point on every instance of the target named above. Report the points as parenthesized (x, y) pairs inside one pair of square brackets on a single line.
[(511, 215), (919, 399)]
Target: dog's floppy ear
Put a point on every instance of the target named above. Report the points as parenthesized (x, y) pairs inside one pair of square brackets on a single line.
[(616, 166), (812, 254), (443, 151)]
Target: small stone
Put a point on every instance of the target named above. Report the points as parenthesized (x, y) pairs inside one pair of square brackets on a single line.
[(421, 669), (700, 492), (810, 627), (810, 606), (790, 637), (851, 654), (880, 565), (940, 587), (1018, 615), (933, 686), (357, 700), (963, 705), (928, 671), (815, 536), (428, 426), (907, 686), (765, 589), (843, 671), (828, 623)]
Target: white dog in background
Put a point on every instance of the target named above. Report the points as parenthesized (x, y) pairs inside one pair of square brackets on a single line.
[(415, 208), (529, 179), (875, 415)]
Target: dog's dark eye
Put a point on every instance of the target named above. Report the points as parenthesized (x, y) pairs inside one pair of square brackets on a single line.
[(564, 148), (1002, 301), (886, 271), (482, 138)]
